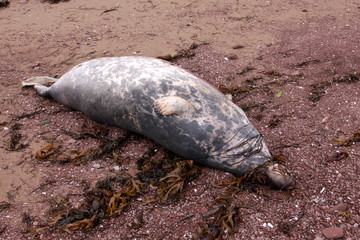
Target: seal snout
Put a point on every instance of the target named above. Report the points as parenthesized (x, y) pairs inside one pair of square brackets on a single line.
[(276, 176)]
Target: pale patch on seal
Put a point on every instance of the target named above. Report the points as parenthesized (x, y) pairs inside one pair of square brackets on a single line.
[(174, 105)]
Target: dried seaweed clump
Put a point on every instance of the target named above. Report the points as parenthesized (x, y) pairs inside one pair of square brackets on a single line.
[(108, 148), (13, 144), (233, 90), (183, 53), (319, 89), (175, 181), (344, 141), (220, 223), (103, 201), (152, 169)]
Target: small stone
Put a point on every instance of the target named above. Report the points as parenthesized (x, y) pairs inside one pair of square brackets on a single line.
[(333, 232), (117, 168), (341, 207), (232, 57), (71, 140), (35, 223), (132, 172), (238, 46), (96, 165), (95, 205), (203, 210), (325, 120)]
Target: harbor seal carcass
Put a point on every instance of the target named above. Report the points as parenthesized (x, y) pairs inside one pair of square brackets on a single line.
[(169, 105)]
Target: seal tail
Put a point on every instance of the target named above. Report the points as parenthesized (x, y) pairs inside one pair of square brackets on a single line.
[(41, 84)]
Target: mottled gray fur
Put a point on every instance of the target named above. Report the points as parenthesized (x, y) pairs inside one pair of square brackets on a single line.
[(124, 91)]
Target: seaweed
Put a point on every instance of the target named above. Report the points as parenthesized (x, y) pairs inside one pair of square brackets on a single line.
[(233, 90), (307, 63), (316, 95), (344, 141), (102, 201), (13, 144), (273, 73), (338, 156), (110, 9), (152, 170), (246, 70), (46, 152), (319, 89), (183, 53), (110, 145), (350, 78), (220, 223), (175, 181), (273, 123), (4, 205), (107, 148), (251, 105), (92, 130)]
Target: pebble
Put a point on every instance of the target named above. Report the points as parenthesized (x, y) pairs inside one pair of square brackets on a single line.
[(232, 57), (3, 122), (325, 120), (238, 46), (341, 207), (333, 232), (203, 210), (71, 140), (96, 165)]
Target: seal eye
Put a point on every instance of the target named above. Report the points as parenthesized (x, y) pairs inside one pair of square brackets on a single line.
[(174, 105)]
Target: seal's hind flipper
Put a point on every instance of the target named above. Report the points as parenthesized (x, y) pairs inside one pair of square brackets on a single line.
[(174, 105), (41, 84), (43, 80)]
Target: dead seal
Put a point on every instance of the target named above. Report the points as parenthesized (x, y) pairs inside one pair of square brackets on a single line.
[(169, 105)]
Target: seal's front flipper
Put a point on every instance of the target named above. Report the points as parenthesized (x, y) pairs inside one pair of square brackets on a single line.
[(41, 84), (174, 105)]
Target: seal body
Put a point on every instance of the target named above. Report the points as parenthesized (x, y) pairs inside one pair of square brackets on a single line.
[(167, 104)]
